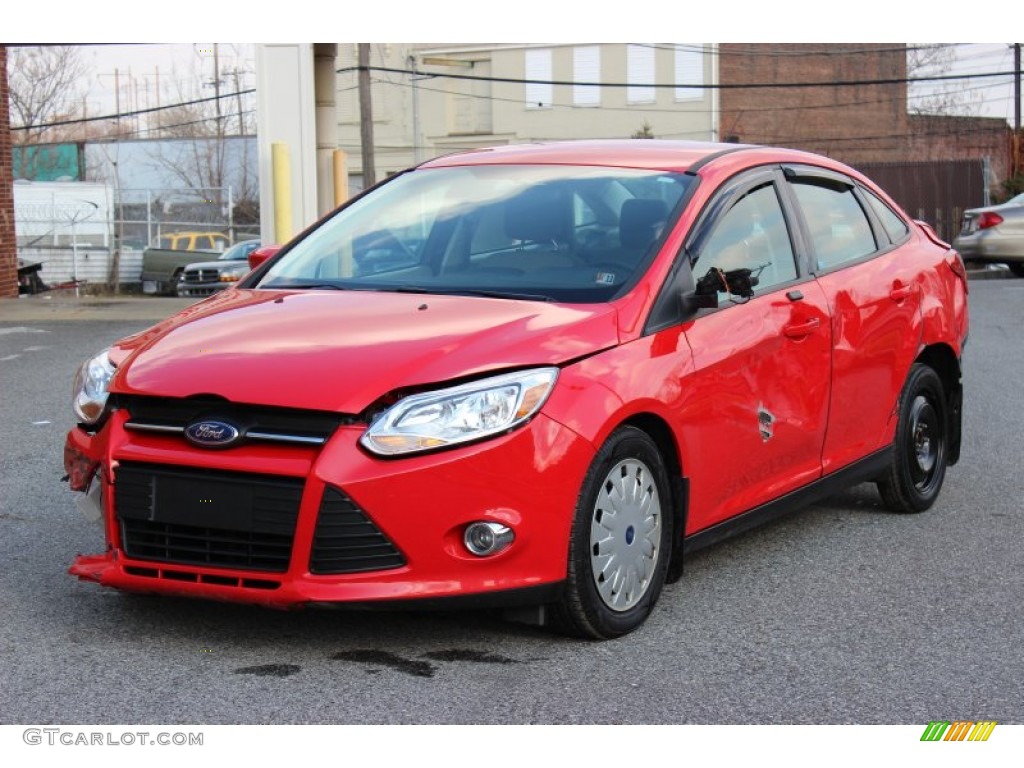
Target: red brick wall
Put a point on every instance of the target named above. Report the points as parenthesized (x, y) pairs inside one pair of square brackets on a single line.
[(8, 253), (934, 137), (863, 123)]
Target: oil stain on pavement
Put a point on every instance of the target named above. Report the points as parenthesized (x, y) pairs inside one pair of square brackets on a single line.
[(418, 667)]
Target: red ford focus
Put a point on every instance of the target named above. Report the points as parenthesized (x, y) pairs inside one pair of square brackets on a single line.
[(532, 376)]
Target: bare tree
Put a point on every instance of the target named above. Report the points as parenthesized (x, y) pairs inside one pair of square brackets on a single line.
[(45, 87), (202, 160), (947, 97)]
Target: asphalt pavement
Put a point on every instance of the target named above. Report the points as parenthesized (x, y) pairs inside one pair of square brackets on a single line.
[(843, 613)]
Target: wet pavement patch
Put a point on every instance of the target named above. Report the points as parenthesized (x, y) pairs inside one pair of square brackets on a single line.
[(470, 655), (386, 659), (269, 670)]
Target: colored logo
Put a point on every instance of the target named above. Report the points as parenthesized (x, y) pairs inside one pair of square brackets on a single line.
[(961, 730), (212, 434)]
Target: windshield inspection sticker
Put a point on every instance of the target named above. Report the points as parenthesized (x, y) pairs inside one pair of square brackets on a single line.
[(605, 278)]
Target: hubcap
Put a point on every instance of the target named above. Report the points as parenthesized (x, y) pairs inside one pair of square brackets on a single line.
[(925, 442), (625, 535)]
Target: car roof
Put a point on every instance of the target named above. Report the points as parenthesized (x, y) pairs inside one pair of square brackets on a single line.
[(648, 154)]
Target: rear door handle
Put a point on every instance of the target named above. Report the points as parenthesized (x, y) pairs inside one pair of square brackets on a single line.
[(800, 330)]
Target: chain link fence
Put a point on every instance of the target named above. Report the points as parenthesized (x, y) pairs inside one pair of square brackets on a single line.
[(74, 233)]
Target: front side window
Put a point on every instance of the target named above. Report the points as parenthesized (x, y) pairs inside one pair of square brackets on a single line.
[(839, 229), (748, 251), (562, 233)]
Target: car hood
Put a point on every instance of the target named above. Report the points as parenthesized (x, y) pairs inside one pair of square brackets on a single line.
[(342, 350), (218, 264)]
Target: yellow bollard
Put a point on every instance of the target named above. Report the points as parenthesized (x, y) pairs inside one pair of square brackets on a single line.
[(282, 175), (340, 177)]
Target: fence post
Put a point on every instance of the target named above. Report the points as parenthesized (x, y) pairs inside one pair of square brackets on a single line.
[(149, 217), (231, 214), (986, 171)]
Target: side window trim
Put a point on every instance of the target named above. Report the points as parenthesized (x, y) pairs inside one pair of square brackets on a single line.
[(837, 182), (866, 193)]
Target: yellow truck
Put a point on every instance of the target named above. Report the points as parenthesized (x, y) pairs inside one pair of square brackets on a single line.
[(163, 263)]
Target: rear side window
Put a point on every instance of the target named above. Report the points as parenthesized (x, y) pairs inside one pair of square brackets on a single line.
[(839, 229), (895, 227)]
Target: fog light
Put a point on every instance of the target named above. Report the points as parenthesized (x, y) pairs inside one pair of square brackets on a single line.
[(486, 538)]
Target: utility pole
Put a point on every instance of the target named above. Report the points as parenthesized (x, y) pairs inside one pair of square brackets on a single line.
[(216, 88), (1016, 109), (366, 117), (117, 99)]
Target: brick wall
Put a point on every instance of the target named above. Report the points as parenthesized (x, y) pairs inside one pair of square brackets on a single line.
[(8, 253), (855, 124), (935, 137)]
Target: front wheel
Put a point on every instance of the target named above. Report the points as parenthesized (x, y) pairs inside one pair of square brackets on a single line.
[(621, 538), (921, 448), (1017, 267)]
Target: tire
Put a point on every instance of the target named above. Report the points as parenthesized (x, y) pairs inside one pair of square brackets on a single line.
[(619, 547), (1017, 267), (921, 448), (172, 286)]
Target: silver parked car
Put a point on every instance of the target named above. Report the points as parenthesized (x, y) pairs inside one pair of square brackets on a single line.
[(994, 234), (204, 278)]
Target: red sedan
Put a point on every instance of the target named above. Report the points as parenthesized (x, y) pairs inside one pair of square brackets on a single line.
[(532, 376)]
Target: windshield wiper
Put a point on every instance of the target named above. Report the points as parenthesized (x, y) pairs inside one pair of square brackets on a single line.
[(290, 286), (492, 294)]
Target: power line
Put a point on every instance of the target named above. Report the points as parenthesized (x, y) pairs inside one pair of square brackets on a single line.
[(696, 86), (675, 111), (133, 113)]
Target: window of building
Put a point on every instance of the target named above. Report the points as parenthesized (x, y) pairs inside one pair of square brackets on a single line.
[(689, 70), (586, 68), (538, 67), (640, 74)]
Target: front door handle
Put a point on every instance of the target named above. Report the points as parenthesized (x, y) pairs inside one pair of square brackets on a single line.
[(800, 330), (899, 292)]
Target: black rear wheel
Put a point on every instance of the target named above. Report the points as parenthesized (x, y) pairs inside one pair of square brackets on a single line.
[(921, 448)]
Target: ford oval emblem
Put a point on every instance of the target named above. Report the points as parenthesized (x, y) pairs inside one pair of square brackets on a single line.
[(211, 433)]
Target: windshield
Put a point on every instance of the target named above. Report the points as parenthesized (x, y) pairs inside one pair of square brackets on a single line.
[(559, 233), (239, 250)]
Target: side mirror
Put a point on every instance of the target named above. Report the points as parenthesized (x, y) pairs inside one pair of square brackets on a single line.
[(696, 301), (260, 255)]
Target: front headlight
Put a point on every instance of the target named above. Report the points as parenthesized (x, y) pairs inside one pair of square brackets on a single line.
[(460, 414), (91, 383)]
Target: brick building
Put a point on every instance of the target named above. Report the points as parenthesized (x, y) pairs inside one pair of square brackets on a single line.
[(860, 124), (8, 255)]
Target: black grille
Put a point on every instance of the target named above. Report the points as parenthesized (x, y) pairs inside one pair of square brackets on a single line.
[(201, 275), (160, 413), (347, 541), (207, 517)]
